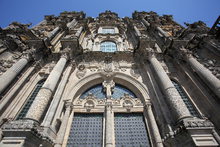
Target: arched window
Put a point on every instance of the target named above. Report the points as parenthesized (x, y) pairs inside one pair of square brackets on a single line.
[(186, 99), (30, 100), (120, 90), (108, 30), (108, 46), (98, 92)]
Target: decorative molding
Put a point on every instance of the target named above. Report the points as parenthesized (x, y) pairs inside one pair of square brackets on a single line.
[(134, 71)]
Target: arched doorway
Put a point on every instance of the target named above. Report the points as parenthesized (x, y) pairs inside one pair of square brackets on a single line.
[(110, 112)]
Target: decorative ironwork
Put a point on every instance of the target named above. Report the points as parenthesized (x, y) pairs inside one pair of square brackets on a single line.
[(130, 130), (86, 130)]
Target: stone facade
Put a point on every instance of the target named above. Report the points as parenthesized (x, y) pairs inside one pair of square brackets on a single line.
[(170, 71)]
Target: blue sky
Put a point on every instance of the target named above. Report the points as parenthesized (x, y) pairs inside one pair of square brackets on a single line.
[(26, 11)]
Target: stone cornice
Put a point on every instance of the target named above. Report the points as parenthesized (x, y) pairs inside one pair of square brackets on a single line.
[(26, 126)]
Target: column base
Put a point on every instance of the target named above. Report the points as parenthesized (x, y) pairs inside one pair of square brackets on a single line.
[(21, 133), (192, 132)]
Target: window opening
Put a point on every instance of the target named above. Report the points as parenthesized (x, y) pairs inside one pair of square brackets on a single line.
[(108, 46), (30, 100), (186, 99)]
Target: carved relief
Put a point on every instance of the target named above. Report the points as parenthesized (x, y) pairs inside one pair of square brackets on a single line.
[(81, 71), (134, 71)]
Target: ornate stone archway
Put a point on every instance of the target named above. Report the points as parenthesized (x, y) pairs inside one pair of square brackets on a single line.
[(108, 106)]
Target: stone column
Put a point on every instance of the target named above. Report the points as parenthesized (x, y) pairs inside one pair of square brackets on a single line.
[(44, 95), (78, 33), (54, 104), (109, 125), (71, 24), (204, 73), (172, 96), (149, 116), (11, 73), (137, 31), (62, 130), (53, 33), (146, 23), (165, 34)]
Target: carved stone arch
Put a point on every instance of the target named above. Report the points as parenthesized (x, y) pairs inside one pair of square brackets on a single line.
[(139, 89)]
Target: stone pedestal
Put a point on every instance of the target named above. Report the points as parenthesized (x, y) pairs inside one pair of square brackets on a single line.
[(23, 133), (173, 98), (195, 132)]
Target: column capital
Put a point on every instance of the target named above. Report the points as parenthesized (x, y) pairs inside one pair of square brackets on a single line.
[(29, 54), (147, 104), (184, 53), (150, 53), (68, 104), (66, 53), (108, 105)]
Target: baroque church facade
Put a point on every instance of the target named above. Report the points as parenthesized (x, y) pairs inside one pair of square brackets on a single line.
[(137, 81)]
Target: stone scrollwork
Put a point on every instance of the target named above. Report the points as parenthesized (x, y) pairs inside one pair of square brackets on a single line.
[(197, 123), (90, 102), (81, 71)]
